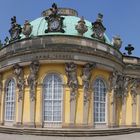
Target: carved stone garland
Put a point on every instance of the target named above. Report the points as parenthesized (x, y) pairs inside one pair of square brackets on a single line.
[(71, 72), (86, 77), (18, 71), (32, 79)]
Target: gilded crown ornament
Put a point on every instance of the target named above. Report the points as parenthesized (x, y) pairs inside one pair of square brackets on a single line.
[(81, 26)]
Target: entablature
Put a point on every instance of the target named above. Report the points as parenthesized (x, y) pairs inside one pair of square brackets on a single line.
[(61, 48)]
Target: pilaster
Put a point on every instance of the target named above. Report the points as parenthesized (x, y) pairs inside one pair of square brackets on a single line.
[(32, 82), (1, 93), (18, 71), (112, 87), (123, 123), (134, 92), (113, 109), (134, 108), (72, 82), (86, 78)]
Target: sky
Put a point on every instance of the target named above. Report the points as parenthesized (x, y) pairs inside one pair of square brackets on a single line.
[(121, 17)]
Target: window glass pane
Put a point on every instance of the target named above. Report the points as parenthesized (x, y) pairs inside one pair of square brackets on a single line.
[(10, 101), (99, 101), (53, 92)]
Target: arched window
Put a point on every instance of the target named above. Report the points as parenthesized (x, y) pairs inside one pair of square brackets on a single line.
[(10, 101), (99, 101), (53, 95)]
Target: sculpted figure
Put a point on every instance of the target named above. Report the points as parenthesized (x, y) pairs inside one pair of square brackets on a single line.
[(113, 80), (71, 72), (32, 79), (134, 89), (18, 71), (86, 77), (15, 29)]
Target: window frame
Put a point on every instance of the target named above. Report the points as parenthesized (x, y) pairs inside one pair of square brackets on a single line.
[(13, 101), (106, 102), (52, 122)]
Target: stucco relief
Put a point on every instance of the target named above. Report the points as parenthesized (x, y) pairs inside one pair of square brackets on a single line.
[(32, 79)]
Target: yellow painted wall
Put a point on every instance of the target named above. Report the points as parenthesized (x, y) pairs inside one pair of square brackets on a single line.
[(60, 69)]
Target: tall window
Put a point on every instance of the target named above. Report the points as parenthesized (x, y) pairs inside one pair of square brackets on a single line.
[(10, 101), (53, 94), (99, 101)]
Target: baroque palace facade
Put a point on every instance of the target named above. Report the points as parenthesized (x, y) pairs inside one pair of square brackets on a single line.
[(62, 71)]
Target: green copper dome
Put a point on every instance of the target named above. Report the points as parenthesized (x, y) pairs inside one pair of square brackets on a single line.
[(40, 25)]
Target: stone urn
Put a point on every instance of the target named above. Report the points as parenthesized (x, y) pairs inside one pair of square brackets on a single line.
[(27, 28), (81, 26), (117, 42)]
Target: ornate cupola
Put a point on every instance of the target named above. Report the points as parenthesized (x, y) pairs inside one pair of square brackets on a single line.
[(61, 11)]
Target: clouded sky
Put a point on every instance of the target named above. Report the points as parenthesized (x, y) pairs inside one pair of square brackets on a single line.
[(121, 17)]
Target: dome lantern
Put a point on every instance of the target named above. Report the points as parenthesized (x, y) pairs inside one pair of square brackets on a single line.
[(61, 11)]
